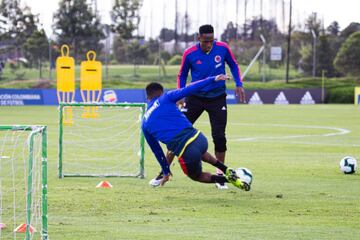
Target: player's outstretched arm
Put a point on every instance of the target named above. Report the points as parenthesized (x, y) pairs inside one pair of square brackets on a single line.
[(176, 95), (170, 157), (222, 77), (235, 71), (158, 152), (184, 70)]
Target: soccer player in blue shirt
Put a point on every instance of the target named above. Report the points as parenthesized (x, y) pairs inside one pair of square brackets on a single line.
[(207, 58), (164, 122)]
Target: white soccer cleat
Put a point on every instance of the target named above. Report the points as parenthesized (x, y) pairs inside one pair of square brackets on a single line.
[(221, 186), (155, 182)]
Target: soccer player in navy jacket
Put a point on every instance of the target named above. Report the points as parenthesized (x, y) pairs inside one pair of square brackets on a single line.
[(207, 58), (164, 122)]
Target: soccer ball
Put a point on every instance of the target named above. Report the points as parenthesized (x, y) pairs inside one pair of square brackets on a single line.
[(348, 165), (245, 175)]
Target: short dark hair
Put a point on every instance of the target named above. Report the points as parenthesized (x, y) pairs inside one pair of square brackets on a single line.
[(154, 89), (206, 29)]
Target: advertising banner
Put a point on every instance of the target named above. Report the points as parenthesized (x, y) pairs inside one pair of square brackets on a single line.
[(16, 97), (19, 97), (284, 96)]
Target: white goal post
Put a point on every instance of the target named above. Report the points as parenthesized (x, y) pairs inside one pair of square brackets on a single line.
[(23, 182)]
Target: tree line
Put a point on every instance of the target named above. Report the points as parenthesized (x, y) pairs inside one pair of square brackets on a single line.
[(77, 24)]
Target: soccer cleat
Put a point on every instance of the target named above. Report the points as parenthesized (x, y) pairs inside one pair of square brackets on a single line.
[(234, 179), (246, 186), (155, 182), (221, 186)]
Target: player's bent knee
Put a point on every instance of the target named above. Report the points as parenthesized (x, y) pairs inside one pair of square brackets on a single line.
[(194, 176)]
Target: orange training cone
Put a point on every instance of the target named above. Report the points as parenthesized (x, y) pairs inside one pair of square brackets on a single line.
[(22, 228), (104, 184)]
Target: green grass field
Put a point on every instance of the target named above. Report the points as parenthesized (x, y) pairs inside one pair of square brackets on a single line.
[(298, 191)]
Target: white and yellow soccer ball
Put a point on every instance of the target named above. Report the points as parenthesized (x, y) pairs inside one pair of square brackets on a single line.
[(348, 165), (245, 175)]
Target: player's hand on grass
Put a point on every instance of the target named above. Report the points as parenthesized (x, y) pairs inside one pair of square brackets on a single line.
[(222, 77), (165, 179)]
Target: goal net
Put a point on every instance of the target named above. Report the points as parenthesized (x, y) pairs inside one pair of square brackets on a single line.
[(23, 182), (101, 140)]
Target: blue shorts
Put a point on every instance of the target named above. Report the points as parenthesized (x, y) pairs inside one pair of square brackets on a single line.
[(190, 160)]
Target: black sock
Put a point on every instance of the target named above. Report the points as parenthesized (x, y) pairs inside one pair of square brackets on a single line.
[(218, 179), (220, 166)]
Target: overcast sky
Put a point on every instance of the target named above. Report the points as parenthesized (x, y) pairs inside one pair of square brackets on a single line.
[(156, 14)]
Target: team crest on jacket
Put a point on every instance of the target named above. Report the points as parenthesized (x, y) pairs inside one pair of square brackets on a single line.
[(217, 58)]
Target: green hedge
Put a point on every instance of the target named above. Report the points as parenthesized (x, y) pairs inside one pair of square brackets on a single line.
[(340, 95)]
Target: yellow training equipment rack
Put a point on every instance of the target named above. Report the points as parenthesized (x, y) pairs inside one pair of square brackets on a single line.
[(90, 83)]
